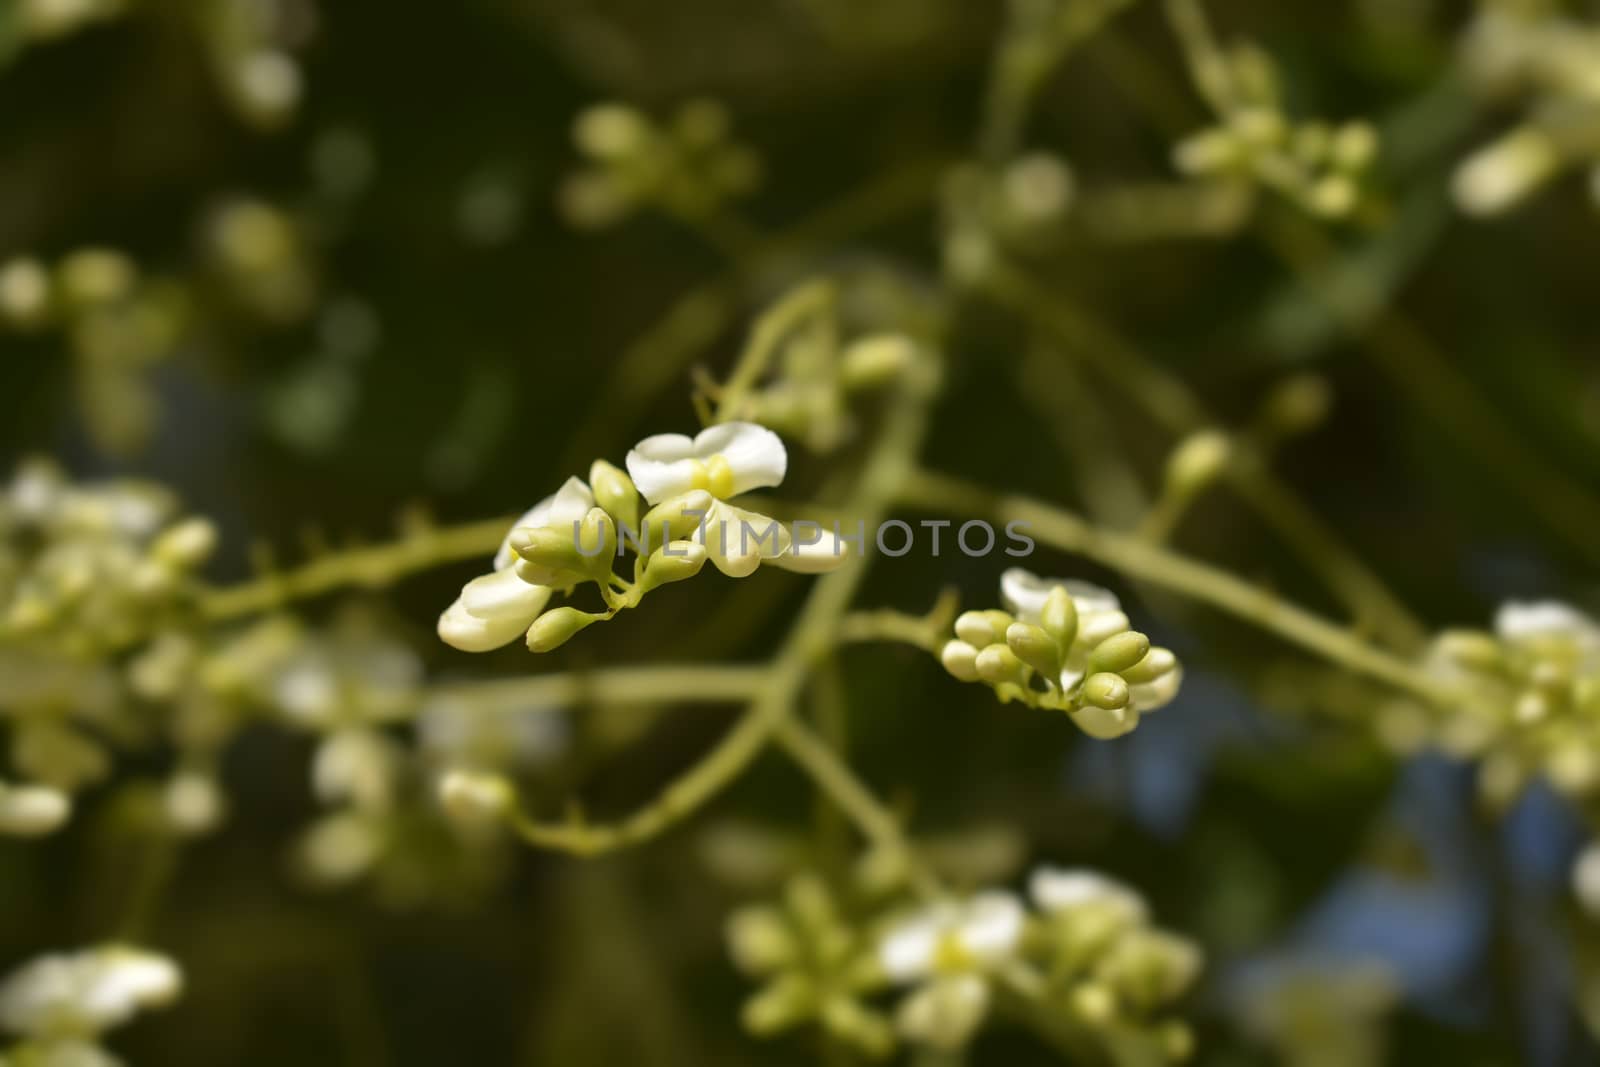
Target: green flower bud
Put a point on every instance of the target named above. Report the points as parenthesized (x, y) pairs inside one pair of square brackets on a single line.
[(876, 360), (1094, 1003), (1059, 617), (997, 665), (961, 660), (558, 626), (475, 797), (1197, 462), (1106, 691), (1119, 652), (188, 544), (682, 514), (1158, 663), (1035, 648), (782, 1004), (674, 562), (975, 628), (614, 491), (760, 940)]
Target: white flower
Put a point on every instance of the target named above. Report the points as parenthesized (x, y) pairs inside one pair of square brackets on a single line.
[(724, 460), (1535, 620), (1055, 890), (32, 810), (953, 938), (84, 993), (1024, 594), (495, 609)]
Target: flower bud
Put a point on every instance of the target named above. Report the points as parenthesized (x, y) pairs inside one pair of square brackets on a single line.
[(1197, 462), (24, 293), (474, 797), (876, 360), (556, 627), (610, 131), (779, 1006), (961, 660), (1059, 617), (976, 629), (673, 562), (997, 665), (681, 514), (1035, 648), (614, 491), (186, 545), (1116, 654), (1106, 691), (760, 941)]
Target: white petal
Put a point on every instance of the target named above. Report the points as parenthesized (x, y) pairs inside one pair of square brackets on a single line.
[(1054, 889), (662, 466), (32, 810), (906, 951), (1151, 696), (1024, 594), (503, 595), (992, 926), (737, 540), (818, 557), (755, 454), (1545, 618), (945, 1014), (459, 629)]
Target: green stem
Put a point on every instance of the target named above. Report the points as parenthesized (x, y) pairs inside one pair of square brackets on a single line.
[(1151, 563), (369, 568)]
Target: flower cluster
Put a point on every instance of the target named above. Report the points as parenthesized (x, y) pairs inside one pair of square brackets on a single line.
[(575, 536), (1537, 50), (86, 569), (1527, 698), (1084, 959), (688, 166), (1075, 642), (61, 1004), (1318, 166)]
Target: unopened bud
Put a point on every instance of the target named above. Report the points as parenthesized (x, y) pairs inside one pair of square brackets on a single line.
[(1116, 654), (876, 360), (1106, 691), (556, 627), (476, 797), (614, 491), (997, 665), (1059, 617), (674, 562), (1197, 462), (1035, 648), (961, 660)]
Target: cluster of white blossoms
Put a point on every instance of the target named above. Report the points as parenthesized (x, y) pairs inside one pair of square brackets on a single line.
[(60, 1005), (1527, 698), (87, 569), (575, 537), (1316, 165), (1084, 958), (1537, 51), (688, 166), (1065, 645)]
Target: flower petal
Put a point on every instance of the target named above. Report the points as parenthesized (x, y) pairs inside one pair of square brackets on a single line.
[(662, 466), (827, 553), (503, 595), (755, 454), (1024, 594), (1544, 618)]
